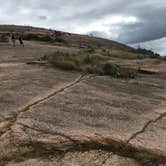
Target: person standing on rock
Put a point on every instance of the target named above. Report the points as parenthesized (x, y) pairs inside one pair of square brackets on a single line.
[(20, 38), (13, 39)]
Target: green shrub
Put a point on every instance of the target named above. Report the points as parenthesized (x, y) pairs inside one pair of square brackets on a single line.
[(89, 49), (132, 74), (128, 73), (140, 56), (38, 37), (144, 51), (104, 50), (44, 38), (87, 59), (154, 55), (88, 63), (117, 71), (111, 69), (59, 39), (146, 159)]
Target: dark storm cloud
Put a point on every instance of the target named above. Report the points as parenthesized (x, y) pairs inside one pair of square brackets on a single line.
[(79, 15), (152, 26)]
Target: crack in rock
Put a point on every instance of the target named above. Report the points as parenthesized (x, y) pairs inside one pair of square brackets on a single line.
[(78, 80), (105, 160), (47, 132), (146, 126)]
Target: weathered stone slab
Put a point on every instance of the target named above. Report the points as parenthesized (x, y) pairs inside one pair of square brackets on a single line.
[(31, 51), (23, 84), (153, 138), (101, 110), (94, 112)]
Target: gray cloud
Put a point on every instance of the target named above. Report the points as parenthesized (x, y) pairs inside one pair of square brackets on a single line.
[(94, 17), (43, 17)]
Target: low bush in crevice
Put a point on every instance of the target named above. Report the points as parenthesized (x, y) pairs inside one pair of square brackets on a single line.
[(88, 63), (89, 49), (132, 74), (85, 62), (119, 72), (87, 59), (59, 40), (37, 37), (111, 69), (146, 159)]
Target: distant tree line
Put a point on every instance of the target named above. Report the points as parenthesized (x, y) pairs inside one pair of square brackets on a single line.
[(145, 51)]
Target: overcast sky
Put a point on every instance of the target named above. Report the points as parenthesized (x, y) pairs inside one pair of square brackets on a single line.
[(127, 21)]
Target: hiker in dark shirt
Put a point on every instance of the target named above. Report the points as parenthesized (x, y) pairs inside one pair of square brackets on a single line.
[(13, 39), (21, 40)]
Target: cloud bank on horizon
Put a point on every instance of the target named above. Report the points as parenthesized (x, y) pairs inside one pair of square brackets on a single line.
[(127, 21)]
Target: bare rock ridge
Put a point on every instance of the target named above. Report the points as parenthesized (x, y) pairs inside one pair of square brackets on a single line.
[(55, 117), (72, 39)]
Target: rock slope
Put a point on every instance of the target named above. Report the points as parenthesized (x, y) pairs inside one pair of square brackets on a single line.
[(54, 117)]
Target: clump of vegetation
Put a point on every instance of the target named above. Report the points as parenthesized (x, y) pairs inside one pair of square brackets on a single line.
[(144, 51), (146, 159), (36, 151), (111, 69), (88, 59), (132, 74), (43, 38), (121, 54), (84, 62), (116, 71), (140, 56), (88, 63), (59, 39), (37, 37), (87, 49), (90, 49)]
